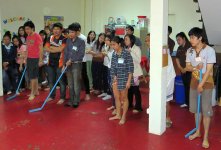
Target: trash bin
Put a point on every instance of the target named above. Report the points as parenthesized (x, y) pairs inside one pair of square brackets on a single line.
[(179, 91)]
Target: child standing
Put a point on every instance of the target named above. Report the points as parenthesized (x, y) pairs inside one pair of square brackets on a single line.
[(55, 46), (121, 76), (89, 45), (135, 52), (34, 59), (73, 57), (106, 50), (21, 57)]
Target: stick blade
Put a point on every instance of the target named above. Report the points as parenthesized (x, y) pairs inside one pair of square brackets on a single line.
[(35, 110), (11, 97)]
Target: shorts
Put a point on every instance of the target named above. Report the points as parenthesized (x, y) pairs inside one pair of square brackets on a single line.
[(32, 68), (206, 102), (170, 90)]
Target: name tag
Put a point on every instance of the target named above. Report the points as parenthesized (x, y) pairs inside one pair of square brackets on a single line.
[(74, 48), (120, 60), (60, 42), (198, 59)]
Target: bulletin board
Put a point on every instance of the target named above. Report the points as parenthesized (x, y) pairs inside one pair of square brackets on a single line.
[(50, 20)]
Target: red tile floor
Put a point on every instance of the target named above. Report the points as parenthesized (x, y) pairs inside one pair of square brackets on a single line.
[(88, 127)]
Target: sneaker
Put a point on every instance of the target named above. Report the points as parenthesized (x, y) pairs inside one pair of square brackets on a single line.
[(107, 97), (50, 99), (9, 92), (184, 105), (135, 111), (102, 95), (44, 82), (61, 101)]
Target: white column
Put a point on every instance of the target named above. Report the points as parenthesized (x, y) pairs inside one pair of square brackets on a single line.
[(157, 96), (1, 83)]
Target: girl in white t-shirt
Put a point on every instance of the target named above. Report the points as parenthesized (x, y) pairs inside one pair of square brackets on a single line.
[(107, 51), (89, 45), (135, 52)]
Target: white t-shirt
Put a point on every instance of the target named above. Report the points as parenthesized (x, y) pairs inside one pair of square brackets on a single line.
[(89, 57), (83, 37), (207, 56), (107, 59)]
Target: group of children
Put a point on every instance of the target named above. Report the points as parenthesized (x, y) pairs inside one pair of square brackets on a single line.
[(100, 63), (109, 67)]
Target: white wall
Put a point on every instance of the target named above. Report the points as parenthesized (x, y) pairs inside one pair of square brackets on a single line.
[(182, 13), (183, 16), (211, 13), (37, 9), (93, 14)]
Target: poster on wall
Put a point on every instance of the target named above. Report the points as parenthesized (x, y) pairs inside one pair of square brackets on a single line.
[(50, 20), (13, 23)]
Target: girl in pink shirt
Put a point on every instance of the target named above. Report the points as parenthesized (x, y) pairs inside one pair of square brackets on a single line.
[(21, 56)]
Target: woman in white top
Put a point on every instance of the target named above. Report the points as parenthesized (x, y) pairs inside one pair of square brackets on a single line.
[(89, 45), (135, 52), (106, 50), (97, 63)]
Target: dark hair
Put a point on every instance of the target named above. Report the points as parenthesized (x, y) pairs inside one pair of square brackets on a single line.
[(118, 40), (88, 38), (79, 26), (183, 36), (65, 31), (109, 37), (170, 30), (98, 44), (29, 24), (74, 27), (132, 39), (8, 34), (22, 27), (58, 25), (148, 34), (197, 32), (45, 40), (19, 40), (130, 28)]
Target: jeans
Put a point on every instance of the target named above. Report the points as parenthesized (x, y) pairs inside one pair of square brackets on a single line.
[(54, 73), (89, 73), (9, 79), (74, 82)]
